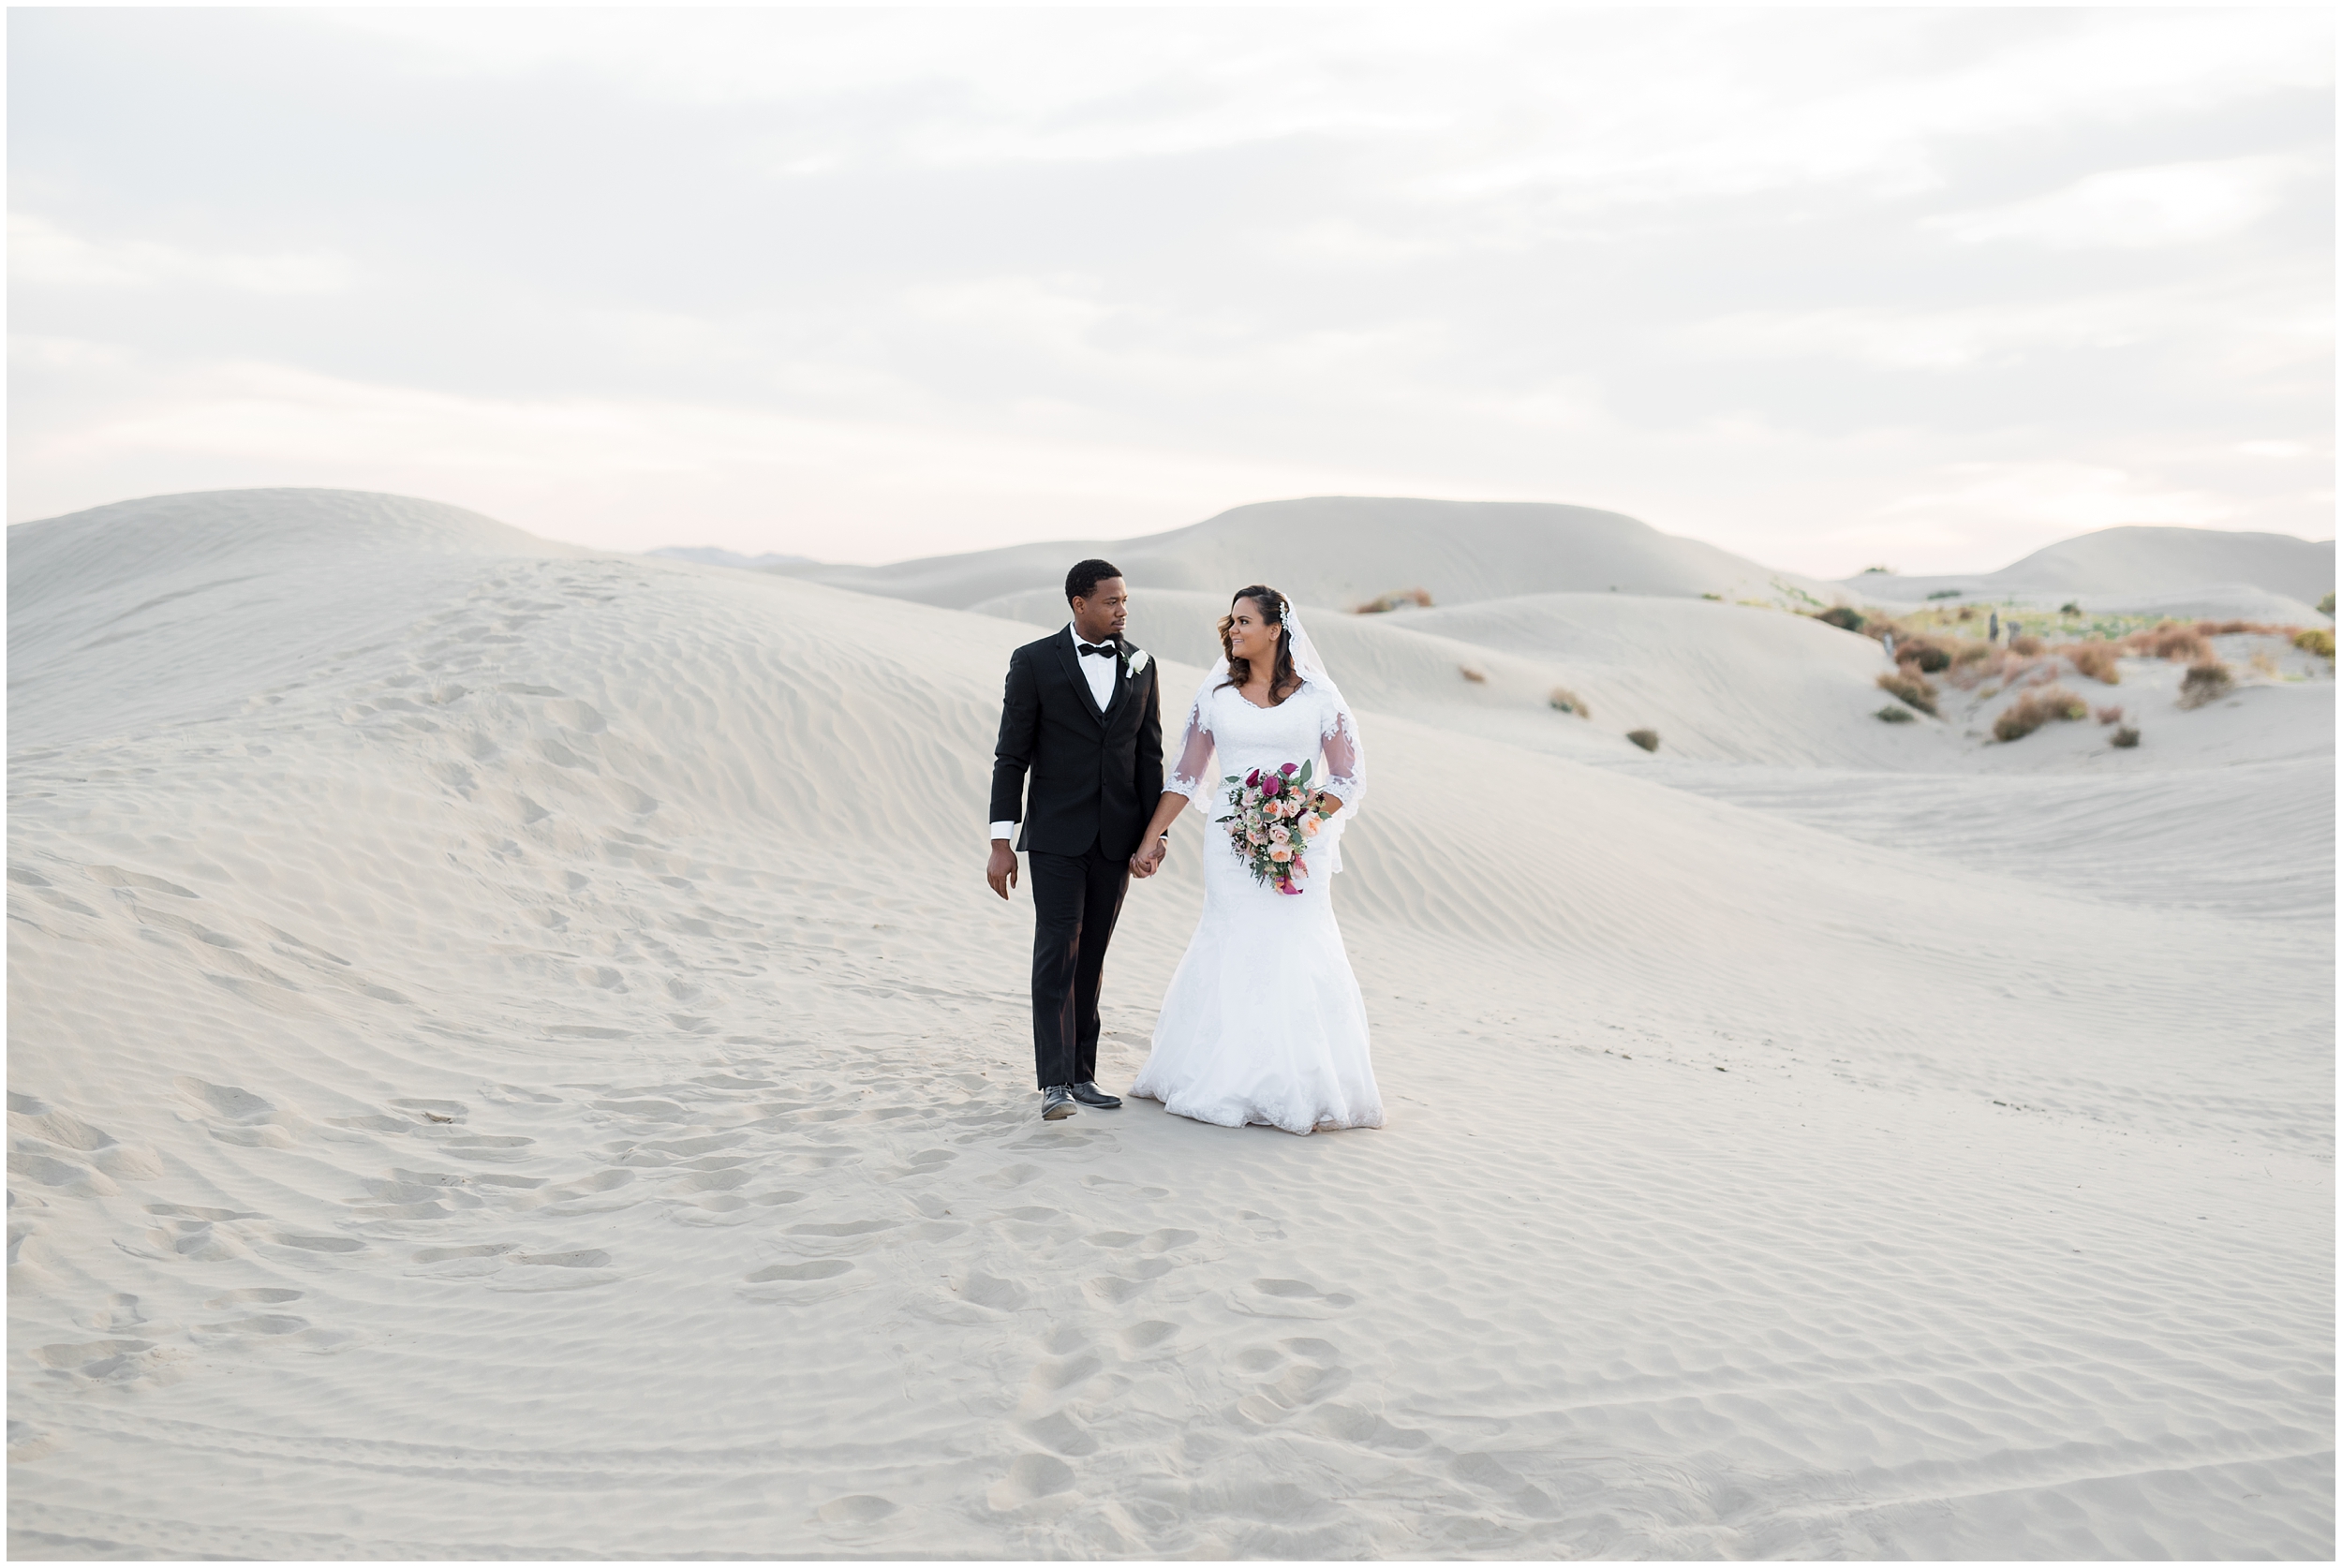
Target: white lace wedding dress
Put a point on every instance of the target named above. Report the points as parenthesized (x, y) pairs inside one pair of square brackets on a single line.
[(1262, 1023)]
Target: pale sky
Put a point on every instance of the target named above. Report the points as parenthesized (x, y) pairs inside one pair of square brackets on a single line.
[(1925, 288)]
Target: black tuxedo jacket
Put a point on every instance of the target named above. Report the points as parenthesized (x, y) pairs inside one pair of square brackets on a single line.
[(1096, 776)]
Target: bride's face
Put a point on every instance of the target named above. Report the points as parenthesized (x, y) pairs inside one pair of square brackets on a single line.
[(1249, 635)]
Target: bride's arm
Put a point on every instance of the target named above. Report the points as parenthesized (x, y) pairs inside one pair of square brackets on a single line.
[(1158, 840), (1342, 781), (1188, 780)]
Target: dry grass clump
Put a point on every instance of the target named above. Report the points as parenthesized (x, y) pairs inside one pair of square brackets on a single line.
[(2036, 709), (1566, 700), (1894, 713), (1397, 601), (2095, 660), (2206, 681), (2325, 605), (1913, 689), (1477, 677), (2125, 737), (2167, 640), (1845, 617), (1929, 655), (2318, 640), (2029, 645), (1647, 739), (2108, 716)]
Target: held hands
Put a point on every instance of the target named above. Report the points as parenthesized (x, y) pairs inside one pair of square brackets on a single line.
[(1149, 860), (1001, 870)]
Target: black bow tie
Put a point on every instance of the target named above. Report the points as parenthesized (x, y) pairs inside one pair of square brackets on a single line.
[(1107, 651)]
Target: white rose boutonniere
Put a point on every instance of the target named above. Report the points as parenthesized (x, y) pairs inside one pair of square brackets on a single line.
[(1138, 661)]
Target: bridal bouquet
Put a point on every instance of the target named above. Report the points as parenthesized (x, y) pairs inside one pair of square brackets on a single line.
[(1271, 819)]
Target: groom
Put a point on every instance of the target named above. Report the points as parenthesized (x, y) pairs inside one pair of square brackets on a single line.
[(1081, 716)]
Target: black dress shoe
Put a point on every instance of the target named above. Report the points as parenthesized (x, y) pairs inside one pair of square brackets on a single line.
[(1055, 1105), (1089, 1094)]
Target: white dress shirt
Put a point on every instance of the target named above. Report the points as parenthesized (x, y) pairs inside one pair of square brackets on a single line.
[(1099, 673)]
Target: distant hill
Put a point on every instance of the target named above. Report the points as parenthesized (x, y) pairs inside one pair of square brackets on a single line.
[(708, 554), (2183, 570), (1342, 551)]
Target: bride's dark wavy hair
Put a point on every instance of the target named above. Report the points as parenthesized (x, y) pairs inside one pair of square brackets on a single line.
[(1283, 680)]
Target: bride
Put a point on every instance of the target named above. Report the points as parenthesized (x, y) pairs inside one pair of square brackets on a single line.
[(1263, 1024)]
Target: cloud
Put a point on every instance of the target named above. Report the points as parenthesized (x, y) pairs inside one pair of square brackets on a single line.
[(2068, 497), (859, 282), (40, 253), (2139, 208)]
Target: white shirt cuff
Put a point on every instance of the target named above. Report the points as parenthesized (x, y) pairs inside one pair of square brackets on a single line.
[(1004, 830)]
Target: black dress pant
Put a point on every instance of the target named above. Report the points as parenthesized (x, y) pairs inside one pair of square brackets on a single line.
[(1075, 901)]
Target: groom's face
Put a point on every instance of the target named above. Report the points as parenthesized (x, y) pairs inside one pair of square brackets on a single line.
[(1104, 613)]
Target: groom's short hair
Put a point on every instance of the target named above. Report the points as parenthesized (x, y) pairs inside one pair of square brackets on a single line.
[(1082, 581)]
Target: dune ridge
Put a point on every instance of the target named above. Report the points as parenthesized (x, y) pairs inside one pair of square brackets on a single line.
[(1342, 551), (513, 1057)]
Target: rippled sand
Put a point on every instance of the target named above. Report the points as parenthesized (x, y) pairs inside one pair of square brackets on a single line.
[(512, 1057)]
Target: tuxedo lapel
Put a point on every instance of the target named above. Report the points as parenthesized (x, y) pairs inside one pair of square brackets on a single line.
[(1070, 657)]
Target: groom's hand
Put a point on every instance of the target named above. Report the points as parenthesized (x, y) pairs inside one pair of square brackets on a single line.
[(1149, 860), (1001, 872)]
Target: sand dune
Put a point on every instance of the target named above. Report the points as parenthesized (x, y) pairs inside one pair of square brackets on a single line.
[(1342, 551), (2180, 571), (513, 1057)]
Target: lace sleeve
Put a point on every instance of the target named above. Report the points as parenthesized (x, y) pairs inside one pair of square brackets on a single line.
[(1345, 756), (1191, 772)]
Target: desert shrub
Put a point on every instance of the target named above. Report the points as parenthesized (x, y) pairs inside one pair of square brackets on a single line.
[(1945, 593), (2207, 681), (1895, 713), (2027, 646), (2264, 664), (2036, 709), (2125, 736), (1930, 657), (1567, 700), (2167, 640), (1911, 689), (1647, 739), (1971, 652), (1397, 601), (1843, 618), (1477, 677), (1718, 598), (2318, 641), (2095, 661), (2069, 608), (1968, 612), (2325, 605), (2108, 716)]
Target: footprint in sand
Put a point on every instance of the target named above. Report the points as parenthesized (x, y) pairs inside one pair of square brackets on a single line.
[(1031, 1478), (1287, 1298), (860, 1509), (1147, 1335), (1059, 1433)]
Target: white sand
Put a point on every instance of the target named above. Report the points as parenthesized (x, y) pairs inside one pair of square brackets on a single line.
[(1796, 1148), (1345, 551), (2141, 571)]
